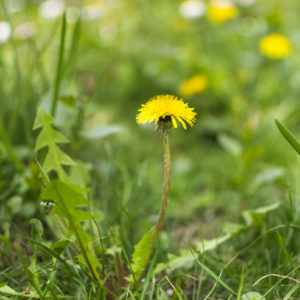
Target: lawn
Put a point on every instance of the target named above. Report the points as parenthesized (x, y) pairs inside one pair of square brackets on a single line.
[(149, 149)]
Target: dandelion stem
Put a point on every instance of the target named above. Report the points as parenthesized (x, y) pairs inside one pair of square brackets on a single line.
[(164, 204)]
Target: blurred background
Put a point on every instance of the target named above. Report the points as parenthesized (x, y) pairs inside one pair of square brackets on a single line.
[(236, 62)]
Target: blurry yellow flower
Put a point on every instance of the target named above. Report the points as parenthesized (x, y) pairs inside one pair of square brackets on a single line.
[(164, 110), (193, 86), (275, 46), (220, 11)]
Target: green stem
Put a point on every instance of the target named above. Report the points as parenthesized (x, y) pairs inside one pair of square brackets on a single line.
[(164, 204)]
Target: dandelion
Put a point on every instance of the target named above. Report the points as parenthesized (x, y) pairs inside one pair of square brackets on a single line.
[(193, 86), (165, 111), (275, 46), (220, 11)]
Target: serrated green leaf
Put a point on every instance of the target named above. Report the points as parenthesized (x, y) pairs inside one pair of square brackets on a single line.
[(55, 159), (64, 195), (95, 264), (68, 197), (288, 136), (42, 119), (141, 253), (85, 238), (49, 136)]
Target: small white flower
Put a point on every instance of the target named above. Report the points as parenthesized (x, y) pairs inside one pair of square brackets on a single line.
[(169, 292), (51, 9), (5, 31), (192, 9)]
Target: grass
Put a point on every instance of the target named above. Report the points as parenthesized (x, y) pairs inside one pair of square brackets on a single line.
[(232, 226)]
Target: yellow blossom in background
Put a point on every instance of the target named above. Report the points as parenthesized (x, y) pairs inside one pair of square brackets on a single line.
[(193, 86), (219, 11), (165, 109), (275, 46)]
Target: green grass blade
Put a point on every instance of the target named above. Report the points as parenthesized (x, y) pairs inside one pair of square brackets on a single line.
[(59, 67), (215, 276), (291, 292), (288, 136), (239, 295)]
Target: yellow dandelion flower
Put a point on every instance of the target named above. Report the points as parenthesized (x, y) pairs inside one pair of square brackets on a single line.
[(275, 46), (166, 110), (193, 86), (219, 11)]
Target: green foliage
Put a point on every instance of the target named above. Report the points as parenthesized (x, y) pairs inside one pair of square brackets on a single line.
[(6, 290), (50, 137), (234, 184), (141, 254), (67, 196), (186, 257)]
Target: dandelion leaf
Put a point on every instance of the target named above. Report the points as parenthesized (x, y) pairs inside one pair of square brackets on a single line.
[(95, 264), (84, 237), (141, 253), (67, 197), (49, 136), (42, 119), (56, 158)]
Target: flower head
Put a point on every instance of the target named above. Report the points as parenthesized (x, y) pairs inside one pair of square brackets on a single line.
[(220, 11), (275, 46), (193, 86), (166, 110)]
